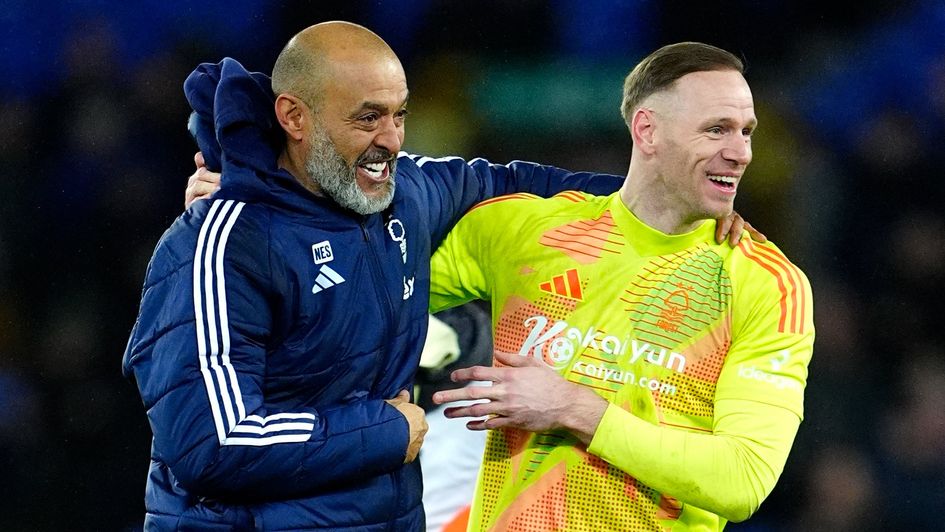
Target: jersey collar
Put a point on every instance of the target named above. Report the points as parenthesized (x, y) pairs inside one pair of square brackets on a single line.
[(648, 241)]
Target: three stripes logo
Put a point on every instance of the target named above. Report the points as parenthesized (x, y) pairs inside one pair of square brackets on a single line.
[(793, 302), (327, 277), (566, 285), (234, 424)]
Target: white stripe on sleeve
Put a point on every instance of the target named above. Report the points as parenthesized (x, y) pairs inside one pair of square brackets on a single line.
[(232, 424)]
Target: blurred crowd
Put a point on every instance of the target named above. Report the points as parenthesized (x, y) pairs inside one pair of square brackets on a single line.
[(94, 156)]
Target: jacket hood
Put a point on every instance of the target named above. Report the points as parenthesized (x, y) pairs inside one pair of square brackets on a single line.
[(234, 125)]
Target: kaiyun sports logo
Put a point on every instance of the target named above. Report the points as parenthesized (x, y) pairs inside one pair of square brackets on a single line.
[(563, 341)]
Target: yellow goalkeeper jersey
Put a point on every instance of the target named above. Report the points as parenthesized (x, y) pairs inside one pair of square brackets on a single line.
[(701, 350)]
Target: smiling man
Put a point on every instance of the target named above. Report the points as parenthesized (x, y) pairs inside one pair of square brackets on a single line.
[(282, 320), (646, 377), (328, 124)]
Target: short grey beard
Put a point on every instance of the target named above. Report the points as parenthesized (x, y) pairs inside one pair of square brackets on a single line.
[(329, 170)]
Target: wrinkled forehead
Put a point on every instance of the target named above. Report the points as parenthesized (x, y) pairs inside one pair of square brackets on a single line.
[(354, 78), (355, 66)]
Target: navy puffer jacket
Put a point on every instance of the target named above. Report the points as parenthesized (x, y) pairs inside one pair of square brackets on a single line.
[(274, 324)]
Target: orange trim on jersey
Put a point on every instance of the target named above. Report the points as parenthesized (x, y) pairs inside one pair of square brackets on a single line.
[(458, 522), (572, 195), (567, 285), (767, 266), (542, 494), (795, 275), (558, 280), (577, 241), (798, 312), (789, 284), (520, 195), (606, 220), (575, 283), (581, 244)]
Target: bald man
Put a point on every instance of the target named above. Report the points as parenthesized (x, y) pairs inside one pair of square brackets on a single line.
[(281, 322), (328, 125)]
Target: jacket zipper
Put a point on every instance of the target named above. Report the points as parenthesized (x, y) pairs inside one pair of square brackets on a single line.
[(378, 270), (379, 273)]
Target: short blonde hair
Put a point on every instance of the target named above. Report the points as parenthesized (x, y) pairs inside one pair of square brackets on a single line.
[(659, 70)]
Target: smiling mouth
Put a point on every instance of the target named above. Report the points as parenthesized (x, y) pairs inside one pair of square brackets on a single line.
[(376, 171), (723, 182)]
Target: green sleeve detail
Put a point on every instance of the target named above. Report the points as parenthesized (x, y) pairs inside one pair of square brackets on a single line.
[(729, 472)]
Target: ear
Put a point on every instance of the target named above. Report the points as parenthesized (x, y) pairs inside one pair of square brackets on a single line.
[(643, 130), (292, 115)]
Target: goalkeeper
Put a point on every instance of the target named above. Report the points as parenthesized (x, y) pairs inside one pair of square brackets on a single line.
[(645, 377)]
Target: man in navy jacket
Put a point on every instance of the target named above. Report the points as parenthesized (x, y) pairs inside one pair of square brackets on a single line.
[(282, 320)]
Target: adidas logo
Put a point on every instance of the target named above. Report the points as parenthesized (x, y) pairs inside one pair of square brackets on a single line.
[(326, 279), (567, 285)]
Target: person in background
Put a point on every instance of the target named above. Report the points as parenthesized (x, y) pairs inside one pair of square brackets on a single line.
[(645, 377)]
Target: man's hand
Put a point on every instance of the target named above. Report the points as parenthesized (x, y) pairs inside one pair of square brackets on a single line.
[(525, 394), (417, 421), (202, 184), (731, 226)]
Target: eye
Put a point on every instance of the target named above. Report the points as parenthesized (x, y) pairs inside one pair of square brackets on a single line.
[(369, 118), (715, 130), (402, 114)]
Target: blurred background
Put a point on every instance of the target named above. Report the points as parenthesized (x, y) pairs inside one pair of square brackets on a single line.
[(847, 179)]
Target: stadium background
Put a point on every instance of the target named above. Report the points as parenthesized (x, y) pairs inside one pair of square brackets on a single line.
[(847, 179)]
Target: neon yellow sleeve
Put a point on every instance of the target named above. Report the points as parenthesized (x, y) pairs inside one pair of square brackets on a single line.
[(728, 473), (772, 328), (758, 401), (460, 268)]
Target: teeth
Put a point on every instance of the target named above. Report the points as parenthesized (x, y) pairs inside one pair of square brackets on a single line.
[(374, 169), (723, 179)]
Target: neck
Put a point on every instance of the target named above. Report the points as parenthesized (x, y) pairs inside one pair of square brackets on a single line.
[(292, 161), (644, 196)]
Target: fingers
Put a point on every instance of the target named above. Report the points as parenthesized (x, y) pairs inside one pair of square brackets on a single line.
[(755, 234), (475, 373), (494, 374), (723, 226), (401, 398), (516, 361), (394, 402), (417, 423), (203, 175), (201, 184), (477, 424), (492, 422), (471, 410), (732, 227), (198, 160), (468, 393), (735, 233)]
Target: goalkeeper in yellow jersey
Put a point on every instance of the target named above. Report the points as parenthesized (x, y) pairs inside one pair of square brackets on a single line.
[(645, 376)]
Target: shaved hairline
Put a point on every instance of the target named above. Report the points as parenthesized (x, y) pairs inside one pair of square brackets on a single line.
[(305, 62), (301, 73)]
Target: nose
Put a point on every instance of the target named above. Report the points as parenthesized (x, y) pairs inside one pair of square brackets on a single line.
[(738, 150), (390, 135)]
